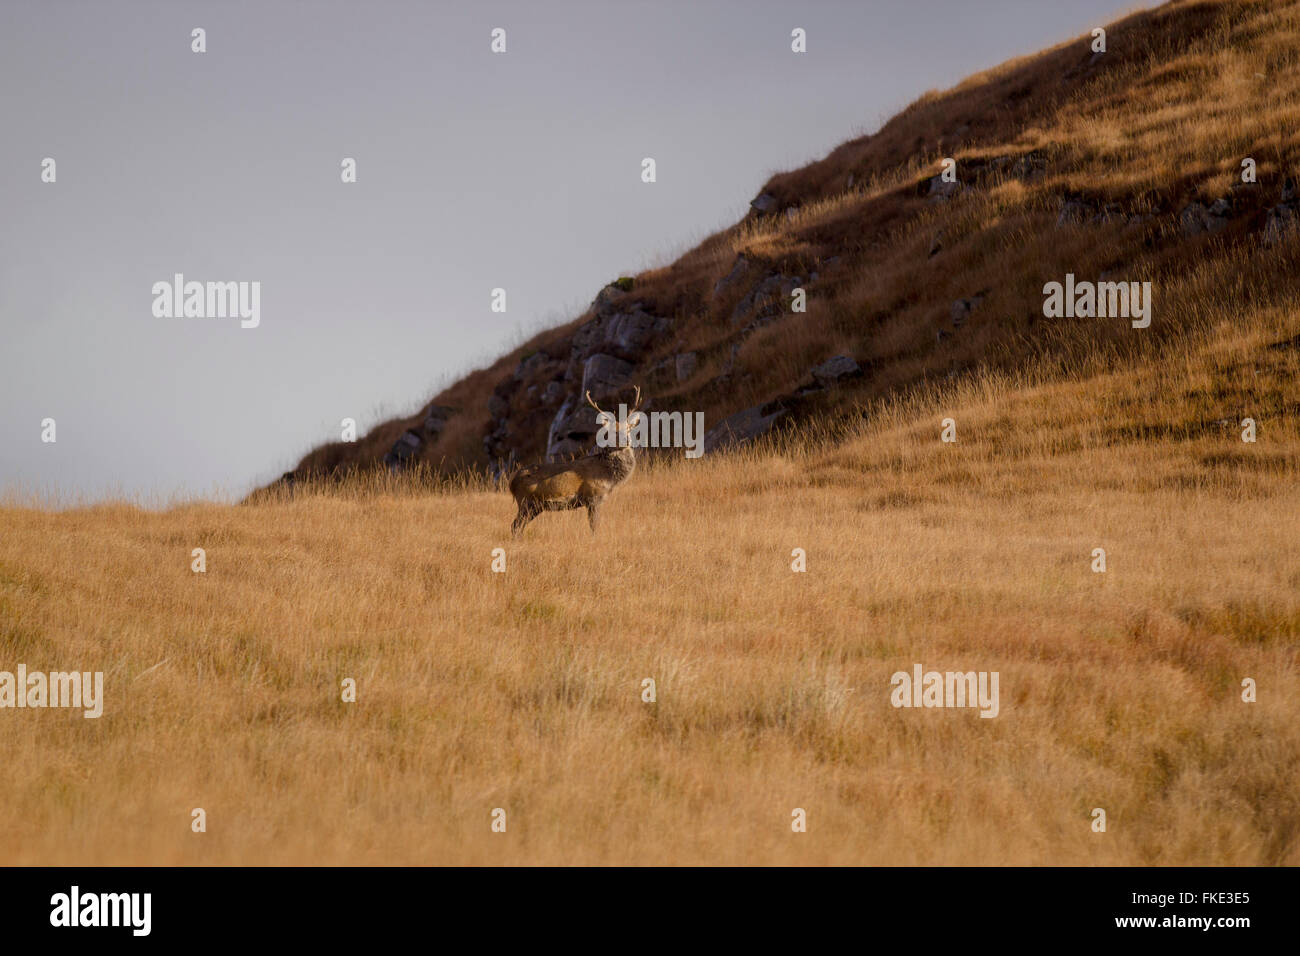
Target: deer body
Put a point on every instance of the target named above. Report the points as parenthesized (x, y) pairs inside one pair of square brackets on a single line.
[(582, 483)]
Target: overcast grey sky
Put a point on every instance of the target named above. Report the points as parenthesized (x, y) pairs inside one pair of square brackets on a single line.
[(475, 170)]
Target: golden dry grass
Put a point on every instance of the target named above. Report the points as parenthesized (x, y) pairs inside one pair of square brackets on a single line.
[(522, 690)]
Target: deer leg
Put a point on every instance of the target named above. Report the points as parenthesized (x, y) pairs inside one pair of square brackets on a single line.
[(593, 514), (526, 514)]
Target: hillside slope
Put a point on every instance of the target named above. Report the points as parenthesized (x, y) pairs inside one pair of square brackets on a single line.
[(1118, 165), (523, 690)]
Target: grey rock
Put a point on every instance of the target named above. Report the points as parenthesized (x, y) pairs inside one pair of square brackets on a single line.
[(530, 364), (632, 331), (602, 374), (738, 270), (940, 191), (588, 335), (435, 419), (498, 406), (1074, 212), (606, 297), (403, 450), (962, 308), (1191, 219), (766, 317), (743, 426), (1110, 213), (763, 203), (835, 369), (662, 367), (1196, 218), (626, 333), (573, 428), (766, 300), (1030, 166), (1281, 223), (551, 394)]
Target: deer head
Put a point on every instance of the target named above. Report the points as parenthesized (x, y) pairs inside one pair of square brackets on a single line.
[(622, 430)]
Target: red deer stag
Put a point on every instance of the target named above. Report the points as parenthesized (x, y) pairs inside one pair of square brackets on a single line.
[(581, 483)]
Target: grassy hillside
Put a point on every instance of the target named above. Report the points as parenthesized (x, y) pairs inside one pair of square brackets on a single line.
[(1130, 137), (522, 690)]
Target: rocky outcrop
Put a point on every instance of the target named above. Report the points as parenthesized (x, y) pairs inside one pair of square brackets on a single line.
[(1029, 167), (1074, 211), (573, 429), (404, 450), (767, 299), (1197, 217), (1078, 210), (1282, 222), (611, 293), (962, 308), (622, 344), (744, 426), (547, 390), (602, 374), (435, 420), (737, 273), (975, 171), (939, 190), (835, 370)]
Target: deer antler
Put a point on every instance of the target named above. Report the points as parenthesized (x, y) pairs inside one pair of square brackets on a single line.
[(592, 403), (636, 402)]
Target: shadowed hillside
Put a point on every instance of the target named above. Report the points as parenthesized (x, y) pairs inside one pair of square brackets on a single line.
[(1118, 165)]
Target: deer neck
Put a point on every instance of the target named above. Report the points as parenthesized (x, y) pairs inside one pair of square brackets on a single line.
[(620, 461)]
